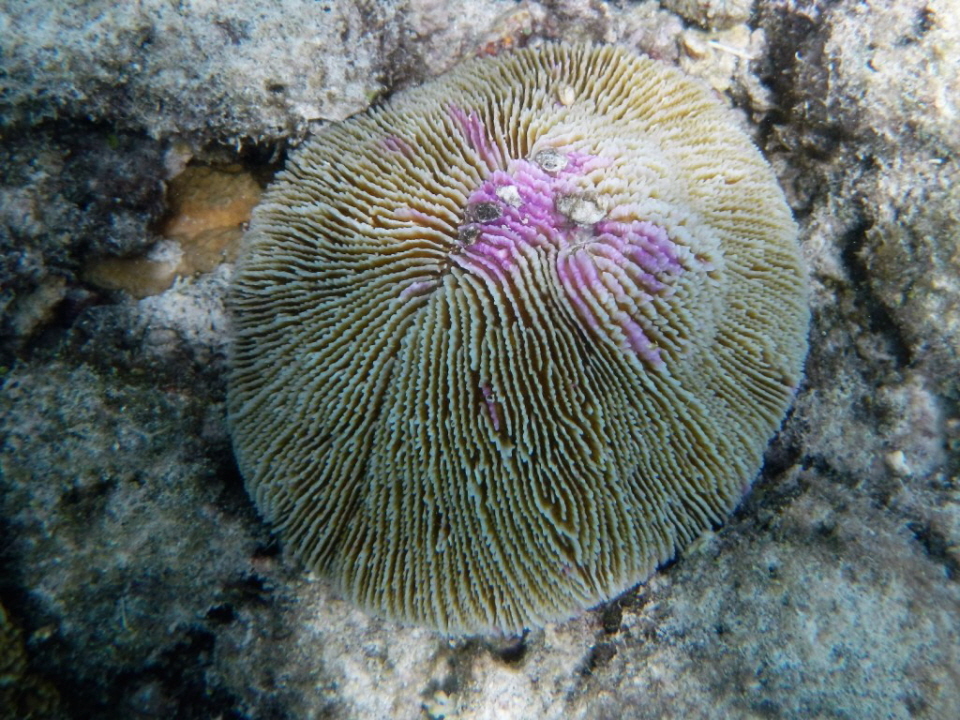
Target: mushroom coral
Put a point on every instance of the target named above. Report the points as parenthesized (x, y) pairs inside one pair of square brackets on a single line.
[(506, 343)]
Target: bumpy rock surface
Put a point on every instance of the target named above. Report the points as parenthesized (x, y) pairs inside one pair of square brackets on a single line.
[(170, 68), (66, 196)]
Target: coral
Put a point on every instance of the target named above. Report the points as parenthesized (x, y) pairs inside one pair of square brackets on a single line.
[(506, 344)]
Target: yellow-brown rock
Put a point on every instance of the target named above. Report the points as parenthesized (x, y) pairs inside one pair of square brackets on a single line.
[(208, 210)]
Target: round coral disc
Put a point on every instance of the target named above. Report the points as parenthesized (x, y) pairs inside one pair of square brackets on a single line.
[(504, 344)]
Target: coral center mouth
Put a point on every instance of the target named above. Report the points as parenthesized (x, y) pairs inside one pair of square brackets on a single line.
[(610, 270)]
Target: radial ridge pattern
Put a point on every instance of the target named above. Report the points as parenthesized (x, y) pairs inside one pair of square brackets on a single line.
[(505, 344)]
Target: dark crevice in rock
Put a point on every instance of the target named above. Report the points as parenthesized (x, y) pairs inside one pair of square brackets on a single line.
[(775, 487), (822, 465), (879, 320), (514, 653), (222, 614), (175, 685), (796, 47), (612, 615), (936, 546), (233, 495), (600, 656)]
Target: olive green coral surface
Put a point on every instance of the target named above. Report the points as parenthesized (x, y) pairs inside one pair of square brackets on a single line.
[(503, 345)]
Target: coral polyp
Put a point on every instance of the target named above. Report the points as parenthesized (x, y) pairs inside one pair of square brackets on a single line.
[(505, 344)]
